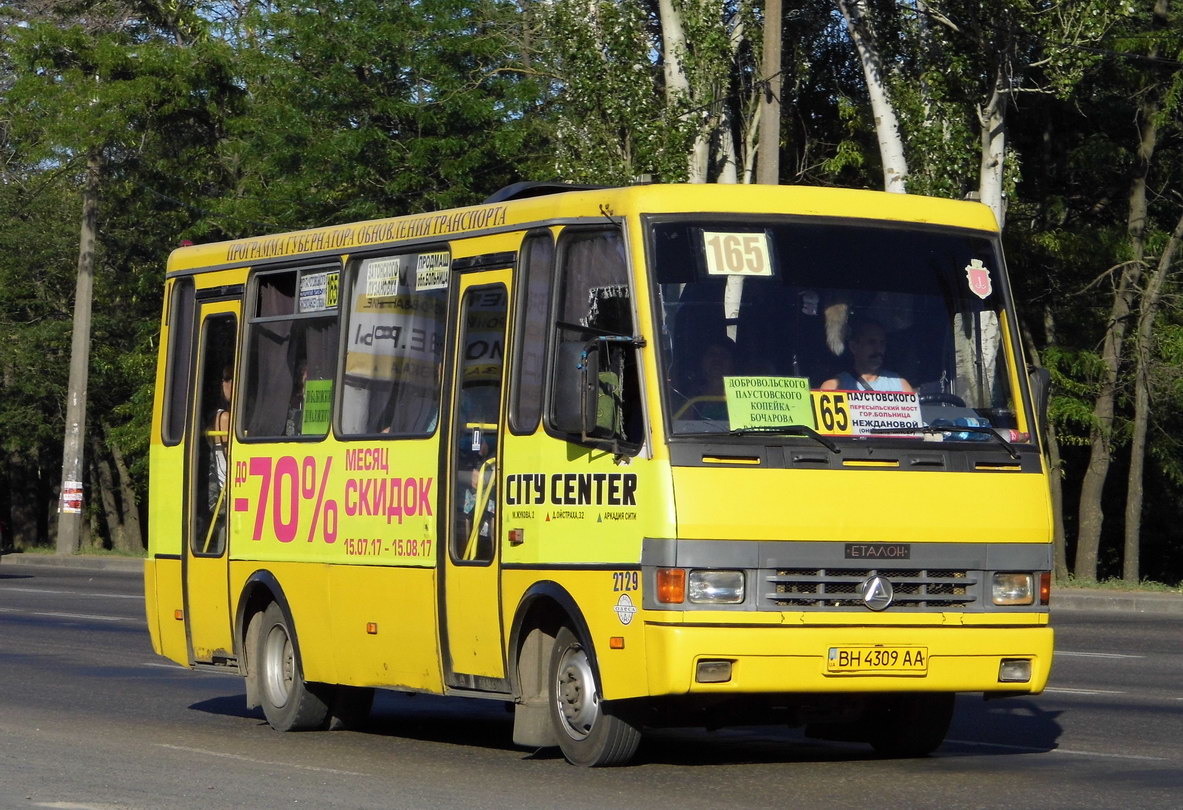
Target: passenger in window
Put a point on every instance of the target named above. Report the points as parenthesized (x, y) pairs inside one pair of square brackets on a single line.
[(293, 426), (703, 389), (211, 526), (220, 439), (866, 343), (717, 362)]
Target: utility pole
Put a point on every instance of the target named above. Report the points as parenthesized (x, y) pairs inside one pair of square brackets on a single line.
[(768, 151), (69, 535)]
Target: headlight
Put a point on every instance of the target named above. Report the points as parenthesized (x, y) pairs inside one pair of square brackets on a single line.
[(715, 587), (1014, 589)]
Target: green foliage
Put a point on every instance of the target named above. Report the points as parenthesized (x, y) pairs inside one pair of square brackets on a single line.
[(613, 124), (366, 109), (218, 119)]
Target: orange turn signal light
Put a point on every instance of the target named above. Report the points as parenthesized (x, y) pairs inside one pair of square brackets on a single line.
[(1045, 587), (372, 628), (671, 585)]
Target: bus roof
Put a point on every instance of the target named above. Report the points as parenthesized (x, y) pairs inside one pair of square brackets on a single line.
[(566, 205)]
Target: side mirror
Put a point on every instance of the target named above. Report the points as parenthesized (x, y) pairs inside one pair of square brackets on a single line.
[(1040, 381), (602, 398)]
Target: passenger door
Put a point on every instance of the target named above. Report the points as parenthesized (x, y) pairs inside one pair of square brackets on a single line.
[(472, 629), (209, 465)]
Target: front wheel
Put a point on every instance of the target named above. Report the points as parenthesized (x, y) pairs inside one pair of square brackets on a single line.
[(590, 731), (909, 725), (289, 703)]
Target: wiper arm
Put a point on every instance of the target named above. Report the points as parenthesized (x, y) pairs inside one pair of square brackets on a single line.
[(985, 431), (789, 430)]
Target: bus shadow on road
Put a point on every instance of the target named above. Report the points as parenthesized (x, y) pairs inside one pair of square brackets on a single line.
[(430, 718), (1006, 726), (979, 728)]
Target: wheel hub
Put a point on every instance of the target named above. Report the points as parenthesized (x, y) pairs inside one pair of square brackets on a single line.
[(575, 693)]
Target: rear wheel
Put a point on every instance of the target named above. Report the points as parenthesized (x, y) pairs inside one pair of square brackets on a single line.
[(288, 702), (590, 731), (909, 725)]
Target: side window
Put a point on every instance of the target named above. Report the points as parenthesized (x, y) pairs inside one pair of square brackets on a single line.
[(180, 357), (594, 299), (215, 386), (477, 416), (291, 353), (394, 344), (535, 268)]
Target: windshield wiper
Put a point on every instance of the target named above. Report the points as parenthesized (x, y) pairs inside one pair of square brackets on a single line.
[(984, 431), (789, 430)]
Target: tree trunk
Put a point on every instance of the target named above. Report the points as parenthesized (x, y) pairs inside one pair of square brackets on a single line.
[(105, 484), (887, 127), (1091, 513), (992, 120), (677, 85), (1151, 297), (768, 165), (1143, 347), (133, 532), (69, 537)]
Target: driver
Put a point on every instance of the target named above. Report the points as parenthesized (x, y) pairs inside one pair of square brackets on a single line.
[(866, 342)]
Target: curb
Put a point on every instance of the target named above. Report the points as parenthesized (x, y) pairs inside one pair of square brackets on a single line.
[(1066, 599), (78, 561), (1079, 599)]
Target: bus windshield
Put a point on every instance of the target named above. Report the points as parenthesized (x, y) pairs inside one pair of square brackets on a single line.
[(849, 328)]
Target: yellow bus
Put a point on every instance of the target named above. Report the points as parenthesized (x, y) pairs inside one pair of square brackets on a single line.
[(619, 457)]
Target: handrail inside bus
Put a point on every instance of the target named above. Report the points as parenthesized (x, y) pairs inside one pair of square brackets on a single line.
[(484, 492)]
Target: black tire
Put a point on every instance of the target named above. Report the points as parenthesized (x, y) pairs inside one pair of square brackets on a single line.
[(289, 703), (590, 731), (909, 725)]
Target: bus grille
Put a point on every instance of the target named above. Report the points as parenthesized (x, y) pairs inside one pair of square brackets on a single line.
[(932, 589)]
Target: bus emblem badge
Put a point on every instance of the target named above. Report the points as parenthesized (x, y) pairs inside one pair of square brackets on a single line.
[(877, 592), (979, 279), (625, 609)]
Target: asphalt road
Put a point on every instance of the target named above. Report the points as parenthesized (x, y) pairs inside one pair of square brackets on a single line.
[(90, 718)]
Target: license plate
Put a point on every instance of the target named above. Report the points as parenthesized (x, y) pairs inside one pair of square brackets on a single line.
[(873, 660)]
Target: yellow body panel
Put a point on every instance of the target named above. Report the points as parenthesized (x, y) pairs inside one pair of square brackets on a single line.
[(793, 659), (164, 597), (400, 602), (598, 595), (361, 502), (862, 504), (332, 607)]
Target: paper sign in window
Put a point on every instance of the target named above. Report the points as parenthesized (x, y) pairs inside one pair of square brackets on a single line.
[(736, 254), (768, 401), (318, 396)]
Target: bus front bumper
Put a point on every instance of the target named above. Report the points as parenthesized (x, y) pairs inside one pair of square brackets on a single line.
[(696, 659)]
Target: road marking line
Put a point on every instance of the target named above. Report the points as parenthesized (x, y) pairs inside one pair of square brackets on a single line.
[(1056, 750), (89, 616), (240, 758), (1066, 690), (1095, 654), (75, 593)]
